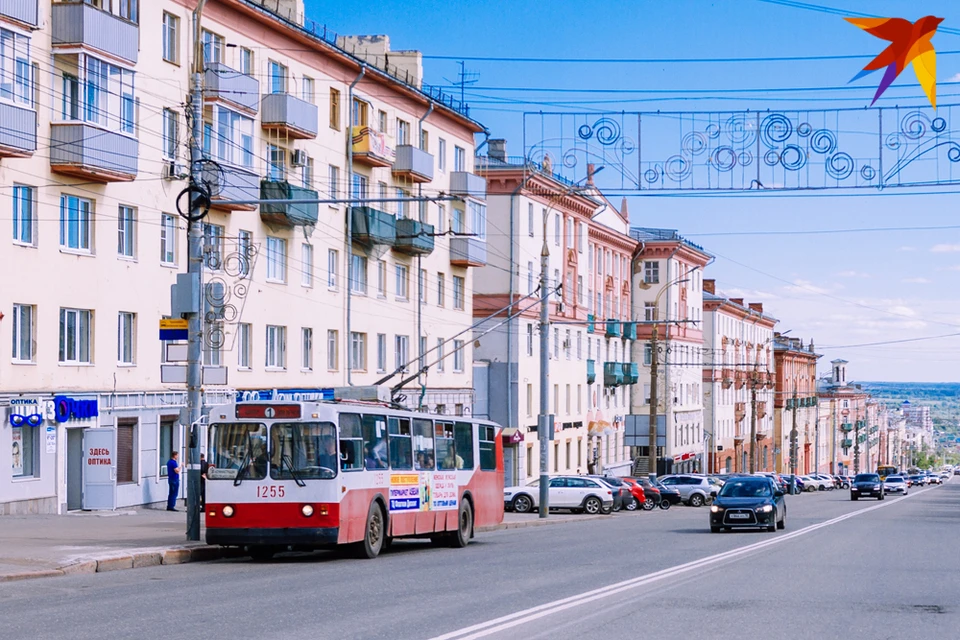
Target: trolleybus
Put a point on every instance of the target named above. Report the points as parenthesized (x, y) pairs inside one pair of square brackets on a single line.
[(311, 475)]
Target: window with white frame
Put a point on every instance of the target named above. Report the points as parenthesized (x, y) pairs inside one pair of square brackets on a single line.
[(403, 132), (126, 231), (441, 289), (333, 266), (212, 47), (24, 340), (171, 133), (441, 154), (276, 163), (306, 265), (478, 219), (580, 290), (358, 274), (97, 92), (244, 345), (649, 311), (381, 278), (441, 343), (213, 246), (16, 82), (441, 218), (401, 345), (276, 347), (171, 38), (76, 223), (530, 339), (126, 338), (245, 250), (168, 239), (530, 226), (306, 349), (458, 356), (358, 351), (422, 286), (556, 229), (333, 349), (24, 215), (308, 92), (402, 281), (458, 293), (651, 272), (276, 259), (403, 207), (333, 180), (457, 222), (381, 352), (529, 277), (459, 159), (75, 336), (277, 75), (246, 62), (229, 137)]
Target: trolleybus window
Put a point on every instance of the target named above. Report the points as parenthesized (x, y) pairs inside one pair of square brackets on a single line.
[(446, 449), (374, 430), (351, 442), (303, 451), (401, 448), (488, 448), (463, 434), (423, 444), (238, 452)]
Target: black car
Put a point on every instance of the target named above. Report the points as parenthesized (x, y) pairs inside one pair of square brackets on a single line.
[(866, 485), (748, 502), (668, 495)]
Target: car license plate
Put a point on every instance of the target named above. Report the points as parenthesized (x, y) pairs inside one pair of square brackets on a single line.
[(739, 516)]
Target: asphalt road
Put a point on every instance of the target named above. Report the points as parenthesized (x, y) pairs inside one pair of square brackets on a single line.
[(841, 569)]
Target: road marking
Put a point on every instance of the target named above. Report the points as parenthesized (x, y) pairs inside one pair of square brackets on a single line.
[(512, 620)]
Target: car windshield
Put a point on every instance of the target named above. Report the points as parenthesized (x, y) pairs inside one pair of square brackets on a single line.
[(237, 451), (894, 479), (746, 489), (303, 450), (867, 477)]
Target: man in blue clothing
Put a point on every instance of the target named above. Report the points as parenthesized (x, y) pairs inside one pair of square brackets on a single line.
[(173, 481)]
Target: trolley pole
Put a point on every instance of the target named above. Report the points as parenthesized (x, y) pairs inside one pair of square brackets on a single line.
[(544, 431), (753, 422)]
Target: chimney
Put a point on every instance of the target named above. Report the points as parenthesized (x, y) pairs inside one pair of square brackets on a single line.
[(737, 301), (590, 169), (710, 286), (406, 66), (289, 10), (756, 306), (623, 209), (497, 149)]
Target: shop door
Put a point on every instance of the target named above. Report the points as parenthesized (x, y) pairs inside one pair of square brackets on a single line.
[(509, 460), (74, 469), (100, 469)]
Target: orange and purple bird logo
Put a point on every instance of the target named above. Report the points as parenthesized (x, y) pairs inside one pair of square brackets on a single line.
[(909, 42)]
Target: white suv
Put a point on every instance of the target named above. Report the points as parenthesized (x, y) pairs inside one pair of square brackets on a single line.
[(566, 492)]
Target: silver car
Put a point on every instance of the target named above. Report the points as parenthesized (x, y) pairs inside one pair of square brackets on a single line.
[(695, 490), (895, 484)]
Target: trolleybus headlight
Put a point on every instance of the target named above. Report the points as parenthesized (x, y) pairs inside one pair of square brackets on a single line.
[(227, 511), (307, 510)]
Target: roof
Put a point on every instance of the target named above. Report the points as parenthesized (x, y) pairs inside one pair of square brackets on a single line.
[(707, 296), (489, 163), (647, 234)]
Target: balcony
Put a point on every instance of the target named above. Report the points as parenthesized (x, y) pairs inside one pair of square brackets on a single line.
[(468, 252), (629, 330), (740, 411), (372, 226), (223, 84), (78, 24), (22, 11), (613, 328), (591, 323), (370, 148), (232, 183), (414, 238), (727, 378), (86, 151), (289, 116), (631, 372), (288, 215), (18, 135), (464, 184), (591, 371), (413, 164), (612, 374)]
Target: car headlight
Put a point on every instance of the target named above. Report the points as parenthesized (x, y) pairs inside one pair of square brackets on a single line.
[(767, 508), (716, 509)]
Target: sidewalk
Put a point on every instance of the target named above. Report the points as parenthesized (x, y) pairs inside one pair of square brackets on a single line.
[(89, 542)]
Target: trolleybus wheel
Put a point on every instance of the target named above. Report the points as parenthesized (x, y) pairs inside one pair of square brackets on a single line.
[(461, 537), (374, 533)]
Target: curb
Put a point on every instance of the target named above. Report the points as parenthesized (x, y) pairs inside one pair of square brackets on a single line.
[(503, 526)]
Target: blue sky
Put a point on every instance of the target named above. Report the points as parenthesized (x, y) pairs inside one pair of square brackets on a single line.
[(842, 289)]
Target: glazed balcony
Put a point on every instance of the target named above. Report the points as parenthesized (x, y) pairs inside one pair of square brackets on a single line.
[(468, 252), (223, 84), (78, 24), (414, 238), (22, 11), (631, 372), (591, 371), (289, 116), (370, 147), (591, 323), (231, 183), (613, 328), (629, 330), (413, 164), (288, 215), (18, 135), (372, 226), (85, 151), (612, 374), (464, 184)]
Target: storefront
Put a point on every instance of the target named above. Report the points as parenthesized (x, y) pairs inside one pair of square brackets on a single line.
[(28, 455)]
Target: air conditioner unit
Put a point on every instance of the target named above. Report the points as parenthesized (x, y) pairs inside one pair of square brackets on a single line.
[(299, 158), (173, 170)]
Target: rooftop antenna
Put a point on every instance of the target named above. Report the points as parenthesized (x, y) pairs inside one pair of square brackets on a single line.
[(464, 78)]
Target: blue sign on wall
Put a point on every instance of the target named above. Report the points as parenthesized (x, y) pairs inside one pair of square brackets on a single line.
[(289, 395), (67, 408)]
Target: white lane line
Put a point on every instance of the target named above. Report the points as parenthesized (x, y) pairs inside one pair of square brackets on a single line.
[(512, 620)]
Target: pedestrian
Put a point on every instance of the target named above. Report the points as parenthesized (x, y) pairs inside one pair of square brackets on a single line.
[(173, 481), (204, 466)]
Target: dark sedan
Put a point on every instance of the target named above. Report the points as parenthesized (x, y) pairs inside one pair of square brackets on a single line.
[(866, 485), (750, 502)]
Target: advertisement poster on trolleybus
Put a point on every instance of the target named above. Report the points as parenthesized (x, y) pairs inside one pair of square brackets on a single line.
[(444, 491), (423, 491)]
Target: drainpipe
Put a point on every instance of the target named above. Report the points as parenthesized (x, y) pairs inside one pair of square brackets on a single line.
[(349, 241), (512, 240), (419, 282)]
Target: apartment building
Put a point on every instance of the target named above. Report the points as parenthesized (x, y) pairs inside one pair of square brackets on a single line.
[(844, 429), (298, 297), (795, 403), (739, 373), (588, 267), (668, 291)]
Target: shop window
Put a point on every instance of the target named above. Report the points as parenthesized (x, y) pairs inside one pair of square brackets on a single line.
[(125, 452), (24, 451)]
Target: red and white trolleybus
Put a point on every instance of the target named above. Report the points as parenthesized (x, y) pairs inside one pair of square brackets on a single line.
[(311, 475)]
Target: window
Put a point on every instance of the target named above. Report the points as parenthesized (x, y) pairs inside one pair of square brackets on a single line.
[(126, 338), (244, 348), (441, 154), (651, 272), (478, 219), (213, 246), (458, 356), (212, 47), (171, 133), (333, 189), (168, 239), (23, 333), (441, 289), (566, 344), (171, 38), (457, 222), (403, 132), (649, 311), (529, 402), (277, 74), (647, 354), (440, 356), (400, 443), (530, 219), (276, 259), (126, 226), (97, 92), (307, 90), (245, 249), (333, 349), (306, 173), (75, 336), (76, 222), (16, 81), (359, 187), (276, 347), (424, 141), (556, 344), (358, 274), (333, 259), (167, 429), (246, 61), (403, 209), (579, 345), (306, 266), (382, 121), (441, 218), (381, 278), (306, 349), (459, 159), (556, 229), (402, 352), (458, 293), (276, 163), (24, 220), (231, 137), (530, 277), (530, 339), (381, 352), (422, 286), (403, 284), (359, 113), (334, 109), (580, 290), (422, 351)]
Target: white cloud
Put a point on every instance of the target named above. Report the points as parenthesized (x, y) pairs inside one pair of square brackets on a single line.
[(945, 248), (852, 274), (954, 78), (902, 311), (955, 267), (749, 295), (906, 248), (915, 280), (805, 286)]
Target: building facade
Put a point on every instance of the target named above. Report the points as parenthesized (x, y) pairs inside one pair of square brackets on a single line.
[(298, 298), (844, 432), (795, 403)]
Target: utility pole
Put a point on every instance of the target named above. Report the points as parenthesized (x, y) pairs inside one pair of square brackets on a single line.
[(793, 444), (816, 439), (856, 447), (753, 421), (545, 420), (652, 445)]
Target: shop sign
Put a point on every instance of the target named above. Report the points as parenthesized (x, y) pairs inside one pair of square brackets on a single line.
[(285, 395), (30, 412), (71, 408)]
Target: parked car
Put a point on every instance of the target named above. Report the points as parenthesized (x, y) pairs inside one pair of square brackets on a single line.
[(620, 491), (566, 492), (669, 496), (813, 483), (748, 502), (694, 490), (895, 484), (866, 485), (790, 478), (779, 480), (639, 495), (827, 480)]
